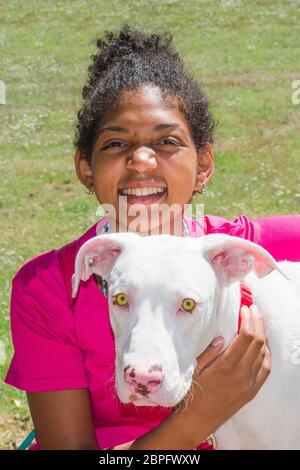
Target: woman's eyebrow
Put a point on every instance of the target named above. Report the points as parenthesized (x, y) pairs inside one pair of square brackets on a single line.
[(155, 128)]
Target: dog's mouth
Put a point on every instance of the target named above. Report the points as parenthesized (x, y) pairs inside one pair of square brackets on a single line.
[(159, 398), (140, 400), (152, 387)]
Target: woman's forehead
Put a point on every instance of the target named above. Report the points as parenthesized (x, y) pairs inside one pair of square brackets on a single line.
[(144, 107)]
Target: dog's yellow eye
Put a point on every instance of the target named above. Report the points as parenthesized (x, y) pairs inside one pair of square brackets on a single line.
[(120, 299), (188, 305)]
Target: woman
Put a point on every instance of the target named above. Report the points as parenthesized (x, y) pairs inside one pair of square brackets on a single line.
[(144, 123)]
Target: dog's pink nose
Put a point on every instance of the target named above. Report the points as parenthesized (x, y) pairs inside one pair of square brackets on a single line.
[(144, 382)]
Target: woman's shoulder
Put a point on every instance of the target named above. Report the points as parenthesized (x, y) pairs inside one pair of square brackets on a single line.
[(36, 268), (240, 226), (278, 234), (46, 266)]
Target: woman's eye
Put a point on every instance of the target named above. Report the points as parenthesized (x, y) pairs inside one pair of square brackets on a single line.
[(118, 144), (120, 299), (188, 305), (169, 141), (112, 144)]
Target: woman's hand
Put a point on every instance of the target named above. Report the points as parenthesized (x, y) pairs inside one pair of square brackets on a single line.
[(224, 382)]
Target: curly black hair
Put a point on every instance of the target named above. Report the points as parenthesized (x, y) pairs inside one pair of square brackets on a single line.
[(129, 60)]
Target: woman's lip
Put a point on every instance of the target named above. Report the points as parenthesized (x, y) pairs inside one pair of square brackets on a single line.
[(143, 184), (150, 199)]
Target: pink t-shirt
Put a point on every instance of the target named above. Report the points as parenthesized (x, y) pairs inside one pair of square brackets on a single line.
[(57, 348)]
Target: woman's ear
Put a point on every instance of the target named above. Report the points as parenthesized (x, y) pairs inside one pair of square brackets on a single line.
[(83, 170), (205, 167)]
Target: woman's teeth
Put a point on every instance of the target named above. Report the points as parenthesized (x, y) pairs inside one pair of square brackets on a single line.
[(142, 191)]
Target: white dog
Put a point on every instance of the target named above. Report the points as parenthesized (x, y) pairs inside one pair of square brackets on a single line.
[(169, 297)]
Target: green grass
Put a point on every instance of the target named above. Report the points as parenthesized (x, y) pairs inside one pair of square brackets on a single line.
[(246, 55)]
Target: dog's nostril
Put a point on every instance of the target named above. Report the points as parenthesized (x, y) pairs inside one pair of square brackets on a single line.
[(144, 381), (155, 367)]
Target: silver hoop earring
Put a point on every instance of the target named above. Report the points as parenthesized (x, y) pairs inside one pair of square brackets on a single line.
[(203, 189), (89, 192)]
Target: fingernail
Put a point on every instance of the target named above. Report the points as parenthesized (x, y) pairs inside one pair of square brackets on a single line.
[(244, 309), (217, 341), (254, 310)]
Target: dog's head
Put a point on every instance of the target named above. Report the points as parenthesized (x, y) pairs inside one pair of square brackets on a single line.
[(162, 295)]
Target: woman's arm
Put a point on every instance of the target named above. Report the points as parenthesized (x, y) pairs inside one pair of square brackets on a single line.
[(227, 381), (62, 419)]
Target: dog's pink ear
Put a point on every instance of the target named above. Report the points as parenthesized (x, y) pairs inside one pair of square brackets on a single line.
[(97, 256), (235, 257)]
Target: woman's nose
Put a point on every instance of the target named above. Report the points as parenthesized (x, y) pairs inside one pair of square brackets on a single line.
[(143, 159)]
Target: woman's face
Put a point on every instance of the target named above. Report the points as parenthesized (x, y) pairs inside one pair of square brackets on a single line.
[(144, 146)]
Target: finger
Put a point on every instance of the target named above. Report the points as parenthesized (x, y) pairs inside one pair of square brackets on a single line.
[(236, 350), (259, 339), (258, 362), (264, 370), (210, 354), (258, 321)]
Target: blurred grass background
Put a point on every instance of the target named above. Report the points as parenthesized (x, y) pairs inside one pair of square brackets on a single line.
[(244, 53)]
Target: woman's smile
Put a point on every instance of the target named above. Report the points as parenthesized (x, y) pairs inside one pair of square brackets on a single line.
[(143, 193)]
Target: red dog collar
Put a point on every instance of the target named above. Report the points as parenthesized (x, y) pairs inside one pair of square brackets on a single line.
[(246, 299)]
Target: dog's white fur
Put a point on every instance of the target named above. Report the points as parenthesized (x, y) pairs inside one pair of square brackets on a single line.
[(156, 273)]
